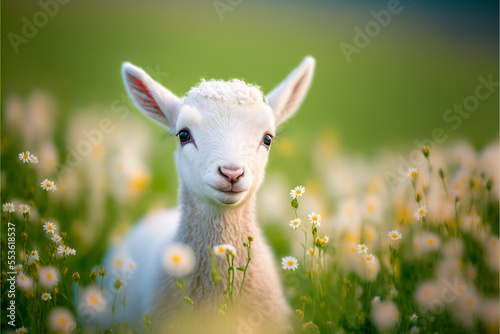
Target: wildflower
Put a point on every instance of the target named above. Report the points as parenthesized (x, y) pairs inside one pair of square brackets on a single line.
[(24, 282), (33, 159), (426, 150), (414, 317), (178, 259), (376, 300), (48, 185), (311, 251), (427, 242), (361, 249), (384, 315), (289, 262), (426, 294), (9, 207), (71, 251), (220, 250), (295, 223), (102, 272), (46, 296), (470, 222), (93, 299), (24, 156), (315, 218), (325, 239), (49, 227), (56, 238), (24, 208), (369, 258), (297, 192), (420, 213), (62, 250), (394, 235), (412, 172), (414, 330), (48, 277), (18, 268), (76, 277), (33, 256), (21, 330), (372, 269), (61, 320)]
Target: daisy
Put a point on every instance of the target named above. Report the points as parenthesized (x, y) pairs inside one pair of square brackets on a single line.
[(60, 320), (33, 159), (385, 315), (56, 238), (24, 208), (325, 239), (414, 330), (24, 156), (18, 268), (48, 277), (72, 251), (9, 207), (46, 296), (21, 330), (48, 185), (220, 250), (369, 258), (412, 172), (33, 256), (361, 249), (414, 317), (62, 250), (289, 262), (311, 251), (376, 300), (394, 235), (297, 192), (49, 227), (178, 259), (315, 218), (94, 299), (24, 282), (420, 213), (295, 223)]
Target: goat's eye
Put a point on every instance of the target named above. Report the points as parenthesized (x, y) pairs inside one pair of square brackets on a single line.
[(267, 140), (184, 136)]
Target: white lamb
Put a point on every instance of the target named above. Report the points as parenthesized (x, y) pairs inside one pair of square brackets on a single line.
[(225, 129)]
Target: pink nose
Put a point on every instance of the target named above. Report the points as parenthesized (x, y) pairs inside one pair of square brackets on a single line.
[(232, 174)]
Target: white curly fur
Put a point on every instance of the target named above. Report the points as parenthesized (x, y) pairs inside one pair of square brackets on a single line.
[(227, 122)]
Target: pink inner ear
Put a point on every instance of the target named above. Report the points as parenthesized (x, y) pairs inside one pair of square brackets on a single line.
[(142, 93), (294, 90)]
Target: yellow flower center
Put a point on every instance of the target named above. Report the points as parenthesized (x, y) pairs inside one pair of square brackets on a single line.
[(221, 250), (431, 241), (470, 302), (290, 263), (349, 211), (49, 227), (394, 235), (93, 300), (48, 185), (23, 278), (421, 211), (295, 223), (176, 258), (413, 173), (62, 321), (362, 247), (9, 207), (310, 252), (298, 191), (368, 258), (324, 240), (131, 266), (49, 276), (427, 292), (118, 262), (25, 156), (370, 207), (315, 218), (18, 269)]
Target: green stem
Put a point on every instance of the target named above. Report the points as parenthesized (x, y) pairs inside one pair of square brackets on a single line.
[(245, 271)]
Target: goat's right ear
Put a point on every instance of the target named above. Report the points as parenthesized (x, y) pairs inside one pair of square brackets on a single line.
[(151, 98)]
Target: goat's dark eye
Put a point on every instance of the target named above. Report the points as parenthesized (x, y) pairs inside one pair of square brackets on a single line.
[(267, 140), (184, 136)]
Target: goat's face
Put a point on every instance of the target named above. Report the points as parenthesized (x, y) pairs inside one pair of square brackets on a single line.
[(224, 129)]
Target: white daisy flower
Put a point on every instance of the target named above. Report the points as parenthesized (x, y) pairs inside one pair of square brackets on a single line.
[(376, 300), (60, 320), (93, 299), (48, 185), (414, 317), (178, 259), (311, 251), (25, 156), (420, 213), (56, 238), (72, 251), (24, 282), (315, 218), (49, 227), (295, 223), (48, 277), (21, 330), (24, 208), (297, 192), (412, 172), (46, 296), (361, 249), (221, 250), (33, 159), (9, 207), (325, 239), (289, 263), (33, 256), (369, 258), (18, 268), (394, 235), (414, 330), (63, 249)]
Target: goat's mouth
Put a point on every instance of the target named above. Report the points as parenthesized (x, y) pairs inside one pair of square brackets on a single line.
[(229, 192)]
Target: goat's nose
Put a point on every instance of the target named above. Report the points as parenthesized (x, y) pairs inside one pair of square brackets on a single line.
[(232, 174)]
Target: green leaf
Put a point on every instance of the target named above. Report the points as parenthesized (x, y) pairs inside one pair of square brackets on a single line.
[(295, 203), (241, 268)]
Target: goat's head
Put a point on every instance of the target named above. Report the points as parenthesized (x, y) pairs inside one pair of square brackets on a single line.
[(224, 128)]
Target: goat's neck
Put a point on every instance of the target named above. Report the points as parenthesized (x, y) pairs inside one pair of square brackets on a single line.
[(203, 225)]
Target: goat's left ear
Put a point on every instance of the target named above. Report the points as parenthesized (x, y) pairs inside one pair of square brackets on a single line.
[(286, 98)]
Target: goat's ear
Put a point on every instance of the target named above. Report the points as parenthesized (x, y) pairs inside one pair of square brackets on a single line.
[(286, 98), (151, 98)]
